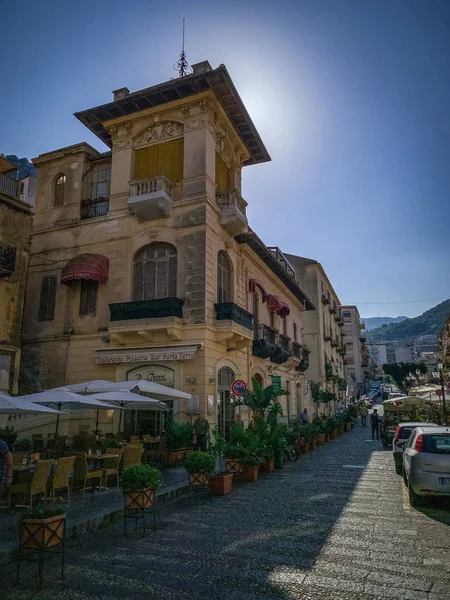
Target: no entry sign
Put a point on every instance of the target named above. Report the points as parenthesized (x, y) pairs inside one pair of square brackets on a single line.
[(238, 387)]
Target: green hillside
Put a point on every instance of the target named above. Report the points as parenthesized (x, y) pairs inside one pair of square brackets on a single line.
[(431, 322)]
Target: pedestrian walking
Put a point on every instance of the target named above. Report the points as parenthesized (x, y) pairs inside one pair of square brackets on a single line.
[(375, 423), (5, 467), (304, 417), (363, 412), (201, 428)]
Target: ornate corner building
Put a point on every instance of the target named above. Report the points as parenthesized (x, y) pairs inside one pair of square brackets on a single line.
[(142, 261)]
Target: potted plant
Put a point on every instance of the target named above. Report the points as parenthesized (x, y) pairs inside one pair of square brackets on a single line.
[(251, 467), (139, 483), (42, 527), (331, 427), (233, 456), (199, 465), (321, 431), (179, 441), (221, 483)]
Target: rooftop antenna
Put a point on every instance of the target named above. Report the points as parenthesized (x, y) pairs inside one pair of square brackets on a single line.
[(182, 66)]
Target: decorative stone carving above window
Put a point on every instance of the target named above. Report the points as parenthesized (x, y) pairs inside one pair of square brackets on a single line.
[(122, 144), (166, 130)]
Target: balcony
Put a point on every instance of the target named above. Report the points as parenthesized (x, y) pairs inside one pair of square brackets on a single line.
[(151, 198), (297, 350), (324, 298), (7, 260), (334, 343), (234, 325), (141, 321), (9, 186), (304, 361), (283, 350), (327, 336), (89, 209), (283, 261), (362, 338), (233, 209), (264, 341), (337, 318), (333, 308)]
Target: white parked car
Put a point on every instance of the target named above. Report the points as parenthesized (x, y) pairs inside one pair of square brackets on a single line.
[(402, 435), (426, 463)]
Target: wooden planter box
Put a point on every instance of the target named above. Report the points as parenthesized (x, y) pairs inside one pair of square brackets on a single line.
[(251, 473), (140, 500), (176, 456), (221, 485), (267, 467), (321, 439), (37, 534), (233, 465), (200, 478)]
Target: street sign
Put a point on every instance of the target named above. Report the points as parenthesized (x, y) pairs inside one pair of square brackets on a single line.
[(238, 387), (276, 383), (439, 393)]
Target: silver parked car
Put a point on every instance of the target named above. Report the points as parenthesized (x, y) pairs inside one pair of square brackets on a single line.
[(426, 463), (401, 438)]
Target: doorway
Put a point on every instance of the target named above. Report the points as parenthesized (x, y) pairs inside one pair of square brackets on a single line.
[(225, 408)]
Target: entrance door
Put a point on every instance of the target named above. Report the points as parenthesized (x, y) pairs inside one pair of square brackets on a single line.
[(225, 407)]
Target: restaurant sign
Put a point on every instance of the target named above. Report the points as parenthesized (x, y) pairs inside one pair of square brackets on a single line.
[(173, 353), (155, 373)]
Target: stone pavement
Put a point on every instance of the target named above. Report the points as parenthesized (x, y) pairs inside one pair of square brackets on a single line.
[(335, 525)]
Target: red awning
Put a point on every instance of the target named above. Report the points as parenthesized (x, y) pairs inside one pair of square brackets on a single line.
[(275, 304), (253, 284), (86, 266)]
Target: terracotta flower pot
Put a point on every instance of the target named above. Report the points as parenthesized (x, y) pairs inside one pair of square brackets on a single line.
[(233, 465), (267, 467), (251, 473), (200, 478), (333, 434), (139, 500), (299, 443), (42, 533), (221, 485), (340, 431), (321, 439)]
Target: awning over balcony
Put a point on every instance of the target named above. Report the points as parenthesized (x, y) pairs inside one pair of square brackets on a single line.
[(86, 266), (253, 285), (275, 304)]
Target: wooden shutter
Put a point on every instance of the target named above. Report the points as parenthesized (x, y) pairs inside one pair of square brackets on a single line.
[(172, 278), (47, 298), (138, 279), (160, 159), (223, 175), (155, 272), (223, 278)]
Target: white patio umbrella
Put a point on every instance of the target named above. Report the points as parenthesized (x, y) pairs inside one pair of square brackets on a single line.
[(81, 388), (161, 392), (127, 400), (10, 405), (62, 397)]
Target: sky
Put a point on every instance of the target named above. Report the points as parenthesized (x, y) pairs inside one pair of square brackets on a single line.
[(351, 98)]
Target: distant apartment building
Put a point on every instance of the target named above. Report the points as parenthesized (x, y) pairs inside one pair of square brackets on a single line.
[(378, 352), (403, 352), (322, 328), (27, 189), (354, 342)]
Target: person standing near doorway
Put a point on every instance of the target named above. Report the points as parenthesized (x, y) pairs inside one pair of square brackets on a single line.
[(304, 417), (6, 464), (201, 429), (375, 423), (363, 412)]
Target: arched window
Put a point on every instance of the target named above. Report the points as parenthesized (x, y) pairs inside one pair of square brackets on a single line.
[(259, 379), (223, 278), (58, 195), (155, 272), (255, 311), (295, 332)]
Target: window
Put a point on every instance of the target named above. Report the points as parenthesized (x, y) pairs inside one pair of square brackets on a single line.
[(295, 332), (259, 379), (223, 278), (284, 326), (155, 272), (255, 310), (22, 187), (60, 184), (88, 297), (47, 298), (100, 183), (322, 287), (346, 315), (272, 319), (349, 344)]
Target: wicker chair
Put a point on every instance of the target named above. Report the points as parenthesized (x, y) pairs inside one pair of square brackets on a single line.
[(61, 478), (37, 485), (132, 455), (18, 457), (111, 465), (82, 474)]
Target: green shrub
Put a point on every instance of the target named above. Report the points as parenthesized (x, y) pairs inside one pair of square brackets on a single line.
[(179, 435), (197, 461), (319, 424), (42, 511), (139, 477), (112, 443), (234, 451)]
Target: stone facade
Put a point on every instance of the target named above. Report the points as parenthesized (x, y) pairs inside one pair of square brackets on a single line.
[(195, 218), (15, 227), (357, 356)]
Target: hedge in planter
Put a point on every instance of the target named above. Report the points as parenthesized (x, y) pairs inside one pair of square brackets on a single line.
[(199, 465), (220, 483), (139, 483)]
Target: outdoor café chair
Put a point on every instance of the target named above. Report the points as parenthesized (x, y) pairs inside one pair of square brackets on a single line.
[(37, 484), (81, 472), (132, 455), (18, 457), (61, 478), (111, 465)]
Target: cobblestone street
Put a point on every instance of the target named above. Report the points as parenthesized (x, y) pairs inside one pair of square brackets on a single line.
[(336, 525)]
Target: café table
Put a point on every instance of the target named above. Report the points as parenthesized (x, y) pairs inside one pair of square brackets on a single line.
[(96, 461)]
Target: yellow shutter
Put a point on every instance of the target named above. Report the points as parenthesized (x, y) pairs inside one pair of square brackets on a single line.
[(223, 175), (161, 159)]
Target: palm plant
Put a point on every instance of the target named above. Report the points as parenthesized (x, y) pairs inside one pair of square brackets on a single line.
[(262, 401)]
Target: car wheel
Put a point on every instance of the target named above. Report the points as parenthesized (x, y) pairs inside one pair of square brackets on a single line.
[(414, 499)]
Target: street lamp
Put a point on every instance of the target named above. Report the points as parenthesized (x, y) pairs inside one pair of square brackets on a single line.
[(439, 374)]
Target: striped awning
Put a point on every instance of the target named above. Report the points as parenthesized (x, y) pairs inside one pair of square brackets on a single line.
[(254, 284), (275, 304), (86, 266)]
